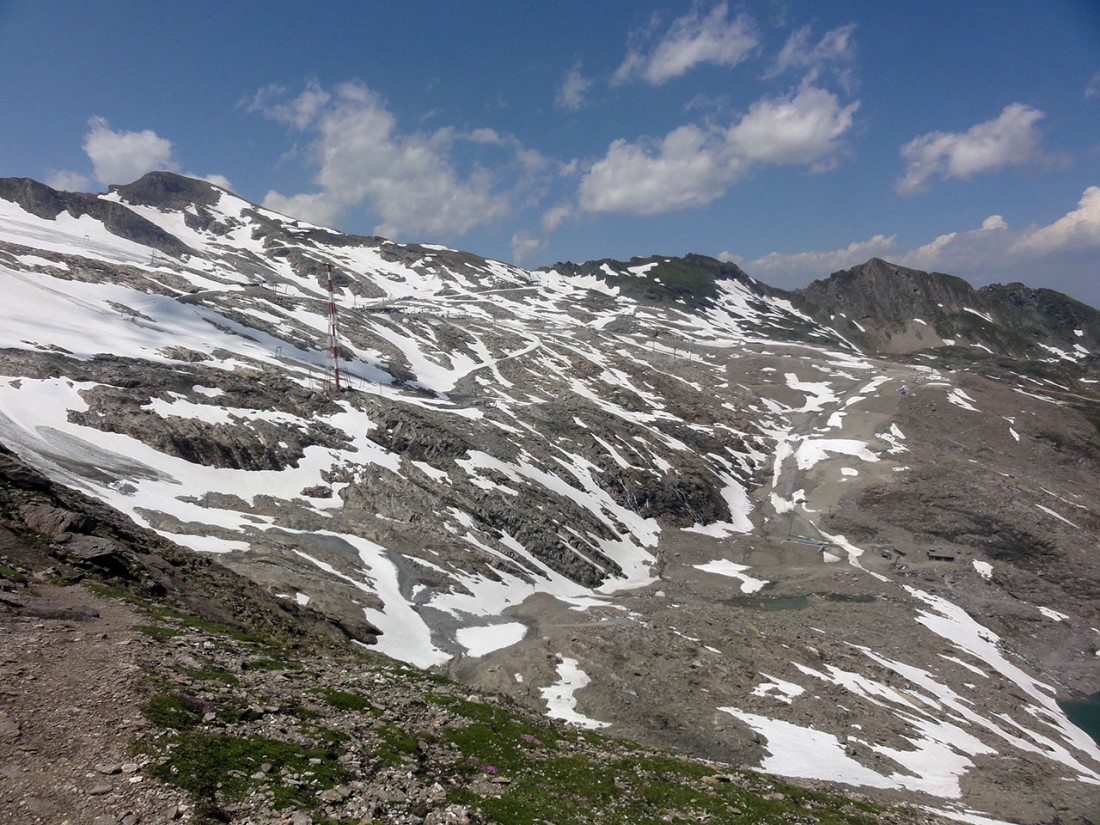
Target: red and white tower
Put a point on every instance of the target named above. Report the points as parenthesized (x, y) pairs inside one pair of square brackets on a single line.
[(333, 383)]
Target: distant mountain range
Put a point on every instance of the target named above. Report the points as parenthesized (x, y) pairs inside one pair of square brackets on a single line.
[(845, 533)]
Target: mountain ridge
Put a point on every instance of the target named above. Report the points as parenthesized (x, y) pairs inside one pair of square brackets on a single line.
[(654, 494), (894, 301), (689, 278)]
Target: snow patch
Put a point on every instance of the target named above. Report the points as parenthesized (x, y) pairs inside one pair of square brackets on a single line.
[(484, 639), (724, 567), (561, 703)]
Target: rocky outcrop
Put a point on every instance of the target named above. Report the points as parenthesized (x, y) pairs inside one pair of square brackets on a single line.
[(893, 309), (41, 200), (47, 527)]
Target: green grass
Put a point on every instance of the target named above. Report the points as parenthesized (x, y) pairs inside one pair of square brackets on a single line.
[(215, 766), (11, 574), (345, 700), (267, 663), (211, 674), (109, 591), (552, 776), (185, 620), (159, 631), (397, 744), (175, 711), (544, 773)]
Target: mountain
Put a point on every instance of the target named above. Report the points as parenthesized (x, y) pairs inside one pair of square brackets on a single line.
[(185, 693), (889, 309), (845, 534)]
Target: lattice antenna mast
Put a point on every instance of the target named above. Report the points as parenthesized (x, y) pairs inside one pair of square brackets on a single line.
[(333, 335)]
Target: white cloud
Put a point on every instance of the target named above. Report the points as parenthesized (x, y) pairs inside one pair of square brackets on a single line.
[(691, 40), (298, 112), (573, 89), (409, 180), (835, 49), (1012, 138), (693, 165), (789, 269), (966, 252), (121, 157), (1093, 87), (800, 129), (524, 244), (1076, 231), (66, 181), (217, 180), (688, 168), (316, 207), (553, 217), (1060, 255)]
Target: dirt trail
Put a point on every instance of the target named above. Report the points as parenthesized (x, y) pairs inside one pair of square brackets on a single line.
[(71, 667)]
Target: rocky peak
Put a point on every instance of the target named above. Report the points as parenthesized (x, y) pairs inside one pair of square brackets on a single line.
[(167, 190), (693, 279), (44, 202), (887, 308), (883, 293)]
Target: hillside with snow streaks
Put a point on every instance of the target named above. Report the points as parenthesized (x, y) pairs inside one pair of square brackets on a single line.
[(545, 481)]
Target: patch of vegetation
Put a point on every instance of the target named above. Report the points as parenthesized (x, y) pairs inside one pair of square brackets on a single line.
[(186, 620), (214, 766), (420, 675), (397, 744), (210, 673), (159, 631), (546, 776), (327, 736), (175, 711), (11, 574), (345, 700), (494, 736), (267, 663)]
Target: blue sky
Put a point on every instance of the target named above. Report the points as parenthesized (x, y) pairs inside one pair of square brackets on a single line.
[(795, 138)]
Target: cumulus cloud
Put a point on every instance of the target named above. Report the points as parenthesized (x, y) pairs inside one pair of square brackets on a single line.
[(693, 165), (573, 89), (692, 39), (835, 49), (524, 244), (66, 181), (984, 249), (796, 268), (298, 112), (217, 180), (1076, 231), (804, 128), (316, 207), (1060, 255), (1012, 138), (690, 167), (410, 180), (1093, 87), (553, 217), (120, 157)]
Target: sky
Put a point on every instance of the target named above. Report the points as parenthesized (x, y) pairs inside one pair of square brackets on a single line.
[(794, 138)]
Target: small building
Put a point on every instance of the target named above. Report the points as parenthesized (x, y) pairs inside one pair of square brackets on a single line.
[(941, 555)]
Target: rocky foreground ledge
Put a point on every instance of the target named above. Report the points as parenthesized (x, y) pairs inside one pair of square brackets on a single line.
[(140, 684)]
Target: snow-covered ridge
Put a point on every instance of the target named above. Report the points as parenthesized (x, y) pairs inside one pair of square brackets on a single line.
[(515, 444)]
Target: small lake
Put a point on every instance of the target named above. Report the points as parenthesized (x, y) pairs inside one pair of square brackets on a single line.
[(1085, 714)]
